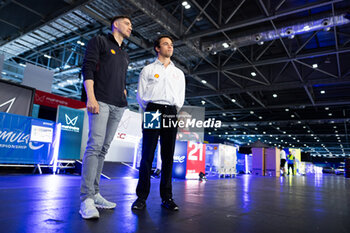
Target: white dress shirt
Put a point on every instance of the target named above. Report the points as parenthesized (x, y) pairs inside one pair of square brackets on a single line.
[(161, 85), (283, 154)]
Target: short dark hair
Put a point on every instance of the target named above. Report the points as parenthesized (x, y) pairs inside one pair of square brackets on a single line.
[(119, 17), (157, 41)]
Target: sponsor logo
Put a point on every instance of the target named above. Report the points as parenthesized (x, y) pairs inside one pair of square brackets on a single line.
[(156, 75), (179, 158), (112, 51), (71, 121), (17, 139), (40, 98), (121, 135), (151, 120), (31, 146), (10, 103), (70, 124), (56, 101)]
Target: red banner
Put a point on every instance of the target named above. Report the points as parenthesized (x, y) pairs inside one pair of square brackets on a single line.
[(195, 159), (51, 100)]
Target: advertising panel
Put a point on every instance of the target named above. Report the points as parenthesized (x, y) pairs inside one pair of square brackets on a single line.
[(180, 160), (72, 121), (211, 159), (195, 160), (15, 144), (125, 142)]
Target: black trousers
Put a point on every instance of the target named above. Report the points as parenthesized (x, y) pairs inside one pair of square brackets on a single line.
[(149, 144), (291, 166)]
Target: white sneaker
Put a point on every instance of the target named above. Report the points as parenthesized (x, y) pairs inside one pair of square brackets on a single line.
[(100, 202), (88, 209)]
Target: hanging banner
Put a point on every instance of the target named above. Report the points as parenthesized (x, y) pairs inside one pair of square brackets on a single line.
[(51, 100), (16, 147), (72, 121), (38, 77)]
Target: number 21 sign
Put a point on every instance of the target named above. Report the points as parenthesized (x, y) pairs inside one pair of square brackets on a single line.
[(195, 159)]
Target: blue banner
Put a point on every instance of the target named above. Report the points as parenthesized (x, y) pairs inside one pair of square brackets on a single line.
[(180, 160), (15, 144), (211, 158), (241, 163), (72, 121)]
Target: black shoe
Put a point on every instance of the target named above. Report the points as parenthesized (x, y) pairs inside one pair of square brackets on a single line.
[(139, 204), (170, 205)]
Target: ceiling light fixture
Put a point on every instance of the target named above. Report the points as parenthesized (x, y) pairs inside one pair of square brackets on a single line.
[(225, 45)]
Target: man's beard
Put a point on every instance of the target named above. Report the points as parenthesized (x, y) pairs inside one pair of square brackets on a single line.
[(125, 35)]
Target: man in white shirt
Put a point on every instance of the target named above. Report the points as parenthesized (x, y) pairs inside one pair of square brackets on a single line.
[(161, 89), (283, 160)]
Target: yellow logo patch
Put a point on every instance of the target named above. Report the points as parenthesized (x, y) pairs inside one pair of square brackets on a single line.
[(112, 51), (156, 75)]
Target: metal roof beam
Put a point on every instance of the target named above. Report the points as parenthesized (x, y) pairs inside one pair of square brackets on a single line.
[(261, 20), (322, 71), (28, 9), (273, 61), (235, 11), (295, 106), (336, 44), (49, 19), (155, 11), (272, 87)]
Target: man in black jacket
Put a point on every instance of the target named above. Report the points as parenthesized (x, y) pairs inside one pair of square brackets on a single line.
[(104, 71)]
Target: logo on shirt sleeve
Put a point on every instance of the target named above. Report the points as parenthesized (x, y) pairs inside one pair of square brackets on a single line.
[(112, 51), (156, 75)]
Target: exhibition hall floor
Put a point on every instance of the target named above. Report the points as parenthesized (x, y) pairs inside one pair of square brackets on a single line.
[(50, 203)]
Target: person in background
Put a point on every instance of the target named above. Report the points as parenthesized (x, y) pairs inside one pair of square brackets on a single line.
[(283, 160), (104, 71), (291, 162)]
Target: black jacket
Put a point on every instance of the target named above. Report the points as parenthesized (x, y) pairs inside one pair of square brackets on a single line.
[(106, 63)]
